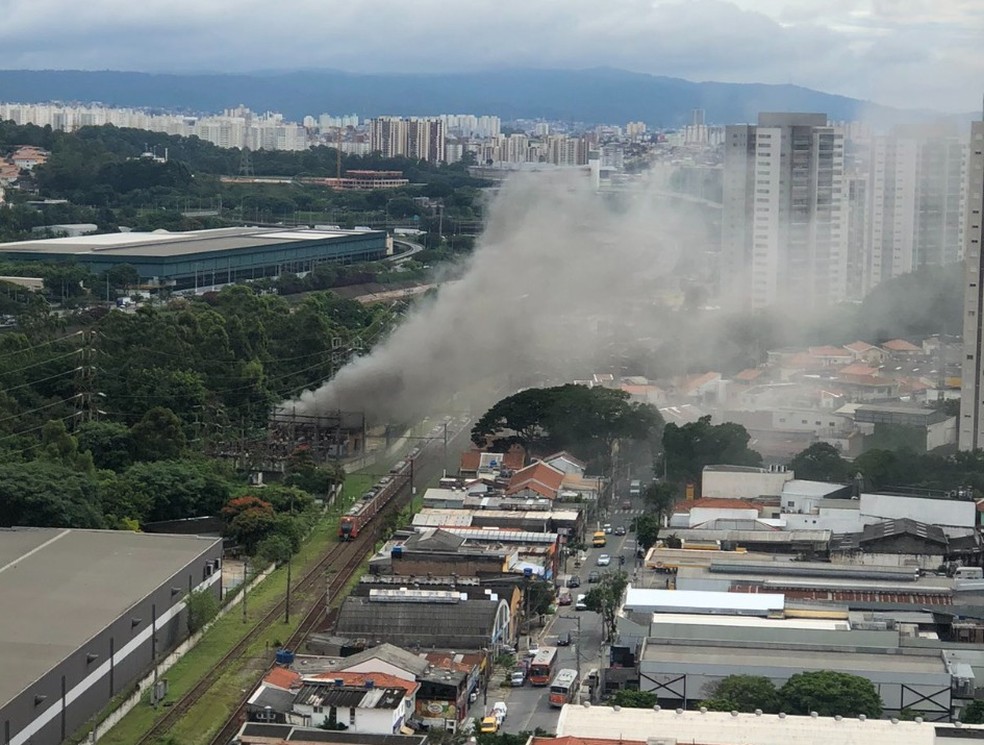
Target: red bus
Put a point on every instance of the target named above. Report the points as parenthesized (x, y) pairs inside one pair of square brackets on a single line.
[(563, 688), (542, 667)]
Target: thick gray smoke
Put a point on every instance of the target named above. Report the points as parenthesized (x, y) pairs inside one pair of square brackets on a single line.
[(559, 283)]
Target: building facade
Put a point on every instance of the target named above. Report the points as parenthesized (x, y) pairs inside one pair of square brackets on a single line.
[(971, 428)]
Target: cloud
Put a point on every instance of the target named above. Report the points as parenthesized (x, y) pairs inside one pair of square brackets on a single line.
[(851, 47)]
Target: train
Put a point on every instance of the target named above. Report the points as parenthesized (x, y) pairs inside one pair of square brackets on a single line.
[(372, 501)]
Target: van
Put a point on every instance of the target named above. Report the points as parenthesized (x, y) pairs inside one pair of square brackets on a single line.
[(599, 540), (635, 488), (970, 573), (580, 604)]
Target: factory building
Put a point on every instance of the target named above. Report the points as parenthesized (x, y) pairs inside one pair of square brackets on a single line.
[(207, 258), (86, 613)]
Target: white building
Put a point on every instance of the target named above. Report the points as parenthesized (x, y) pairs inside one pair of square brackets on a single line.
[(784, 229), (723, 728), (744, 482), (971, 428)]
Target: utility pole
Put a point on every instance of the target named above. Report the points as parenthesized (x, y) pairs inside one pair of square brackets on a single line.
[(245, 584), (289, 563), (577, 655), (445, 464)]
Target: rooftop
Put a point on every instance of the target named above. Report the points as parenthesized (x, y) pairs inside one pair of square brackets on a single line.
[(721, 728), (697, 601), (257, 732), (89, 579), (164, 244), (753, 656)]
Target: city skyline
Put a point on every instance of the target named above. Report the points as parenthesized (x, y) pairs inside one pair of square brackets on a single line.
[(911, 54)]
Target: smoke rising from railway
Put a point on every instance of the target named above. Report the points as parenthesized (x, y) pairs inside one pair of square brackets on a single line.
[(558, 287)]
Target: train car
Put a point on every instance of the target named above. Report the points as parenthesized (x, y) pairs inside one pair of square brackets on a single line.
[(371, 502)]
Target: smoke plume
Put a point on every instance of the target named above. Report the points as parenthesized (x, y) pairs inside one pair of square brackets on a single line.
[(563, 280)]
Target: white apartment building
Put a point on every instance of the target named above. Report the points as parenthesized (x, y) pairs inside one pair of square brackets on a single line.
[(414, 138), (971, 427), (916, 203), (784, 231)]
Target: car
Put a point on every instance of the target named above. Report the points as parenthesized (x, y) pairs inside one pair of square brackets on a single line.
[(594, 577), (500, 711), (573, 581), (604, 560), (626, 504), (580, 604), (534, 648), (489, 726), (565, 640), (517, 677), (607, 528), (619, 530), (565, 599)]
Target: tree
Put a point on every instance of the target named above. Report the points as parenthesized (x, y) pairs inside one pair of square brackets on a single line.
[(661, 496), (820, 462), (830, 693), (202, 607), (647, 529), (110, 443), (744, 693), (586, 421), (635, 699), (172, 490), (158, 436), (248, 521), (51, 494), (275, 548), (122, 277), (691, 447), (973, 713), (606, 598)]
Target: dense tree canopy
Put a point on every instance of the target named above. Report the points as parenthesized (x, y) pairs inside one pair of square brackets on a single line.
[(830, 693), (744, 693), (605, 598), (585, 421), (821, 462), (691, 447)]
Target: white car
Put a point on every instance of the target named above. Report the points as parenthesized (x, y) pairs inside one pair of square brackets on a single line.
[(604, 560), (534, 648)]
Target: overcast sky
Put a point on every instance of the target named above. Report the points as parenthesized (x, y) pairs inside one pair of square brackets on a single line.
[(909, 53)]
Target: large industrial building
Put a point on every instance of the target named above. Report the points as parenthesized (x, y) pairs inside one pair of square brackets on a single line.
[(205, 258), (85, 614)]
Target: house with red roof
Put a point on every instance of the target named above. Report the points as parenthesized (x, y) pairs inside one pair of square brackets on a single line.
[(695, 512), (901, 348), (537, 479), (862, 351), (830, 356)]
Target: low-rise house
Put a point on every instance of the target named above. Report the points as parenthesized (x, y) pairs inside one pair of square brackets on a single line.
[(539, 479), (365, 703)]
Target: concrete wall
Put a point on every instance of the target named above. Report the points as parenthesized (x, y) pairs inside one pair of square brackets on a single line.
[(835, 520), (923, 561), (77, 688), (743, 484), (941, 434)]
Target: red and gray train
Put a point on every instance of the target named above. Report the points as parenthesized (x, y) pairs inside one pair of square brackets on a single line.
[(370, 503)]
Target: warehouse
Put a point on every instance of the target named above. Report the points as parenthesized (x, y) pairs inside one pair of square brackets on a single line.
[(85, 614), (207, 258)]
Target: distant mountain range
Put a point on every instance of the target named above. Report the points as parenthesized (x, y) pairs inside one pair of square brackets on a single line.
[(595, 96)]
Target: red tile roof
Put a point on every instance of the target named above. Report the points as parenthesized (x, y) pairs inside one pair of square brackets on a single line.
[(538, 474), (829, 351), (515, 459), (859, 346), (715, 503), (858, 368), (380, 680), (470, 460), (281, 677), (749, 374), (572, 740), (901, 345), (694, 382)]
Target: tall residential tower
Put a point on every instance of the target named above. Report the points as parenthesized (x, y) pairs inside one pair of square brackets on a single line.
[(971, 435), (784, 234)]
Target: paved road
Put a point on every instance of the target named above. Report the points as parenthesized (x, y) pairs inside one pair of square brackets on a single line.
[(529, 706)]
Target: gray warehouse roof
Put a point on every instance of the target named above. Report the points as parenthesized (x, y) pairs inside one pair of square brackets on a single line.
[(62, 587), (465, 624), (164, 244)]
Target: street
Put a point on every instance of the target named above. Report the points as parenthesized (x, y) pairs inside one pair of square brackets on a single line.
[(529, 706)]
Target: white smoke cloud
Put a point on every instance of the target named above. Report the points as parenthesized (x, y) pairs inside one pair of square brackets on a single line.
[(561, 281)]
